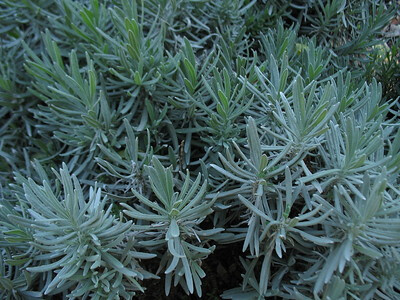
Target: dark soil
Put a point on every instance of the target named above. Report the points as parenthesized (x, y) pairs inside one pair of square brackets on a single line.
[(223, 273)]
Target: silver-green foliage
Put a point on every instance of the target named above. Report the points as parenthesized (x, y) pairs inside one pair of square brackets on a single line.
[(174, 220), (178, 131), (82, 247)]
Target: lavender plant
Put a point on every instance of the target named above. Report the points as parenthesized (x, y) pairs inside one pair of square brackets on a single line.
[(179, 133)]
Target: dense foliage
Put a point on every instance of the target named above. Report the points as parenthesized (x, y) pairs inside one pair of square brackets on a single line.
[(137, 137)]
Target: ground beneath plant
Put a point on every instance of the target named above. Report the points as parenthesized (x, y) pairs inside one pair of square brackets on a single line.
[(223, 273)]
